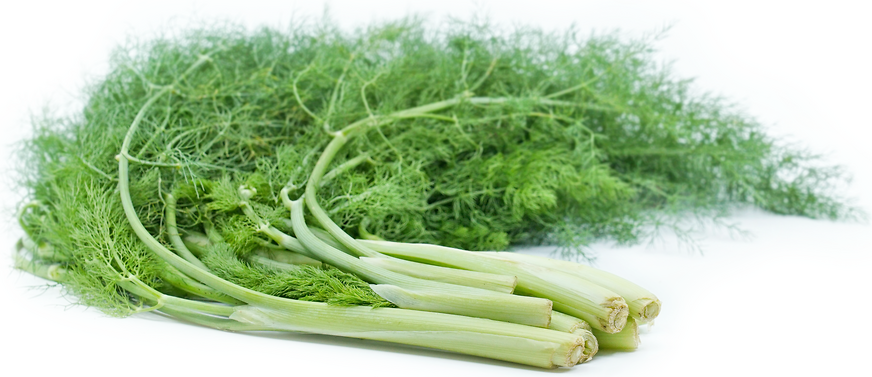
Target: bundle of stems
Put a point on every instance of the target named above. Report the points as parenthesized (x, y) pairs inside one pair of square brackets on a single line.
[(250, 181)]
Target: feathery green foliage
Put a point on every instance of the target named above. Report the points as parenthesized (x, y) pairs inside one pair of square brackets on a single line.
[(587, 139), (306, 283)]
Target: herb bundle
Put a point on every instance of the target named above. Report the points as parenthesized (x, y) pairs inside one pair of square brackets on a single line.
[(249, 181)]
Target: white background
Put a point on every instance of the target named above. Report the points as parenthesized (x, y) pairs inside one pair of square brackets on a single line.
[(792, 299)]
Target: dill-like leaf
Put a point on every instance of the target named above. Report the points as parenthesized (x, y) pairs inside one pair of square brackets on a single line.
[(628, 147), (306, 283)]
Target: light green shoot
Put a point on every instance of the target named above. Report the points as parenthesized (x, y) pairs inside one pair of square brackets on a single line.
[(644, 305)]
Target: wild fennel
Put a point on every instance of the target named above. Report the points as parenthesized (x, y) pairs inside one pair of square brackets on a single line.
[(323, 181)]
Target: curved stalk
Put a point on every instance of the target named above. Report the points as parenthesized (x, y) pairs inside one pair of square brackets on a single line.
[(274, 234), (441, 297), (177, 279), (344, 167), (175, 238), (196, 242)]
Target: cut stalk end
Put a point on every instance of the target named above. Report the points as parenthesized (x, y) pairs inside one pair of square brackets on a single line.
[(646, 310), (567, 323), (569, 354), (618, 313), (591, 345)]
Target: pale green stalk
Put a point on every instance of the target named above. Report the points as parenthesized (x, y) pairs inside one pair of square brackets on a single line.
[(476, 336), (430, 295), (431, 300), (219, 323), (644, 305), (602, 308), (338, 141), (133, 285), (473, 336), (53, 271), (328, 239), (177, 279), (197, 243), (567, 323), (173, 234), (344, 167), (284, 240), (548, 353), (626, 340), (364, 234), (483, 280)]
